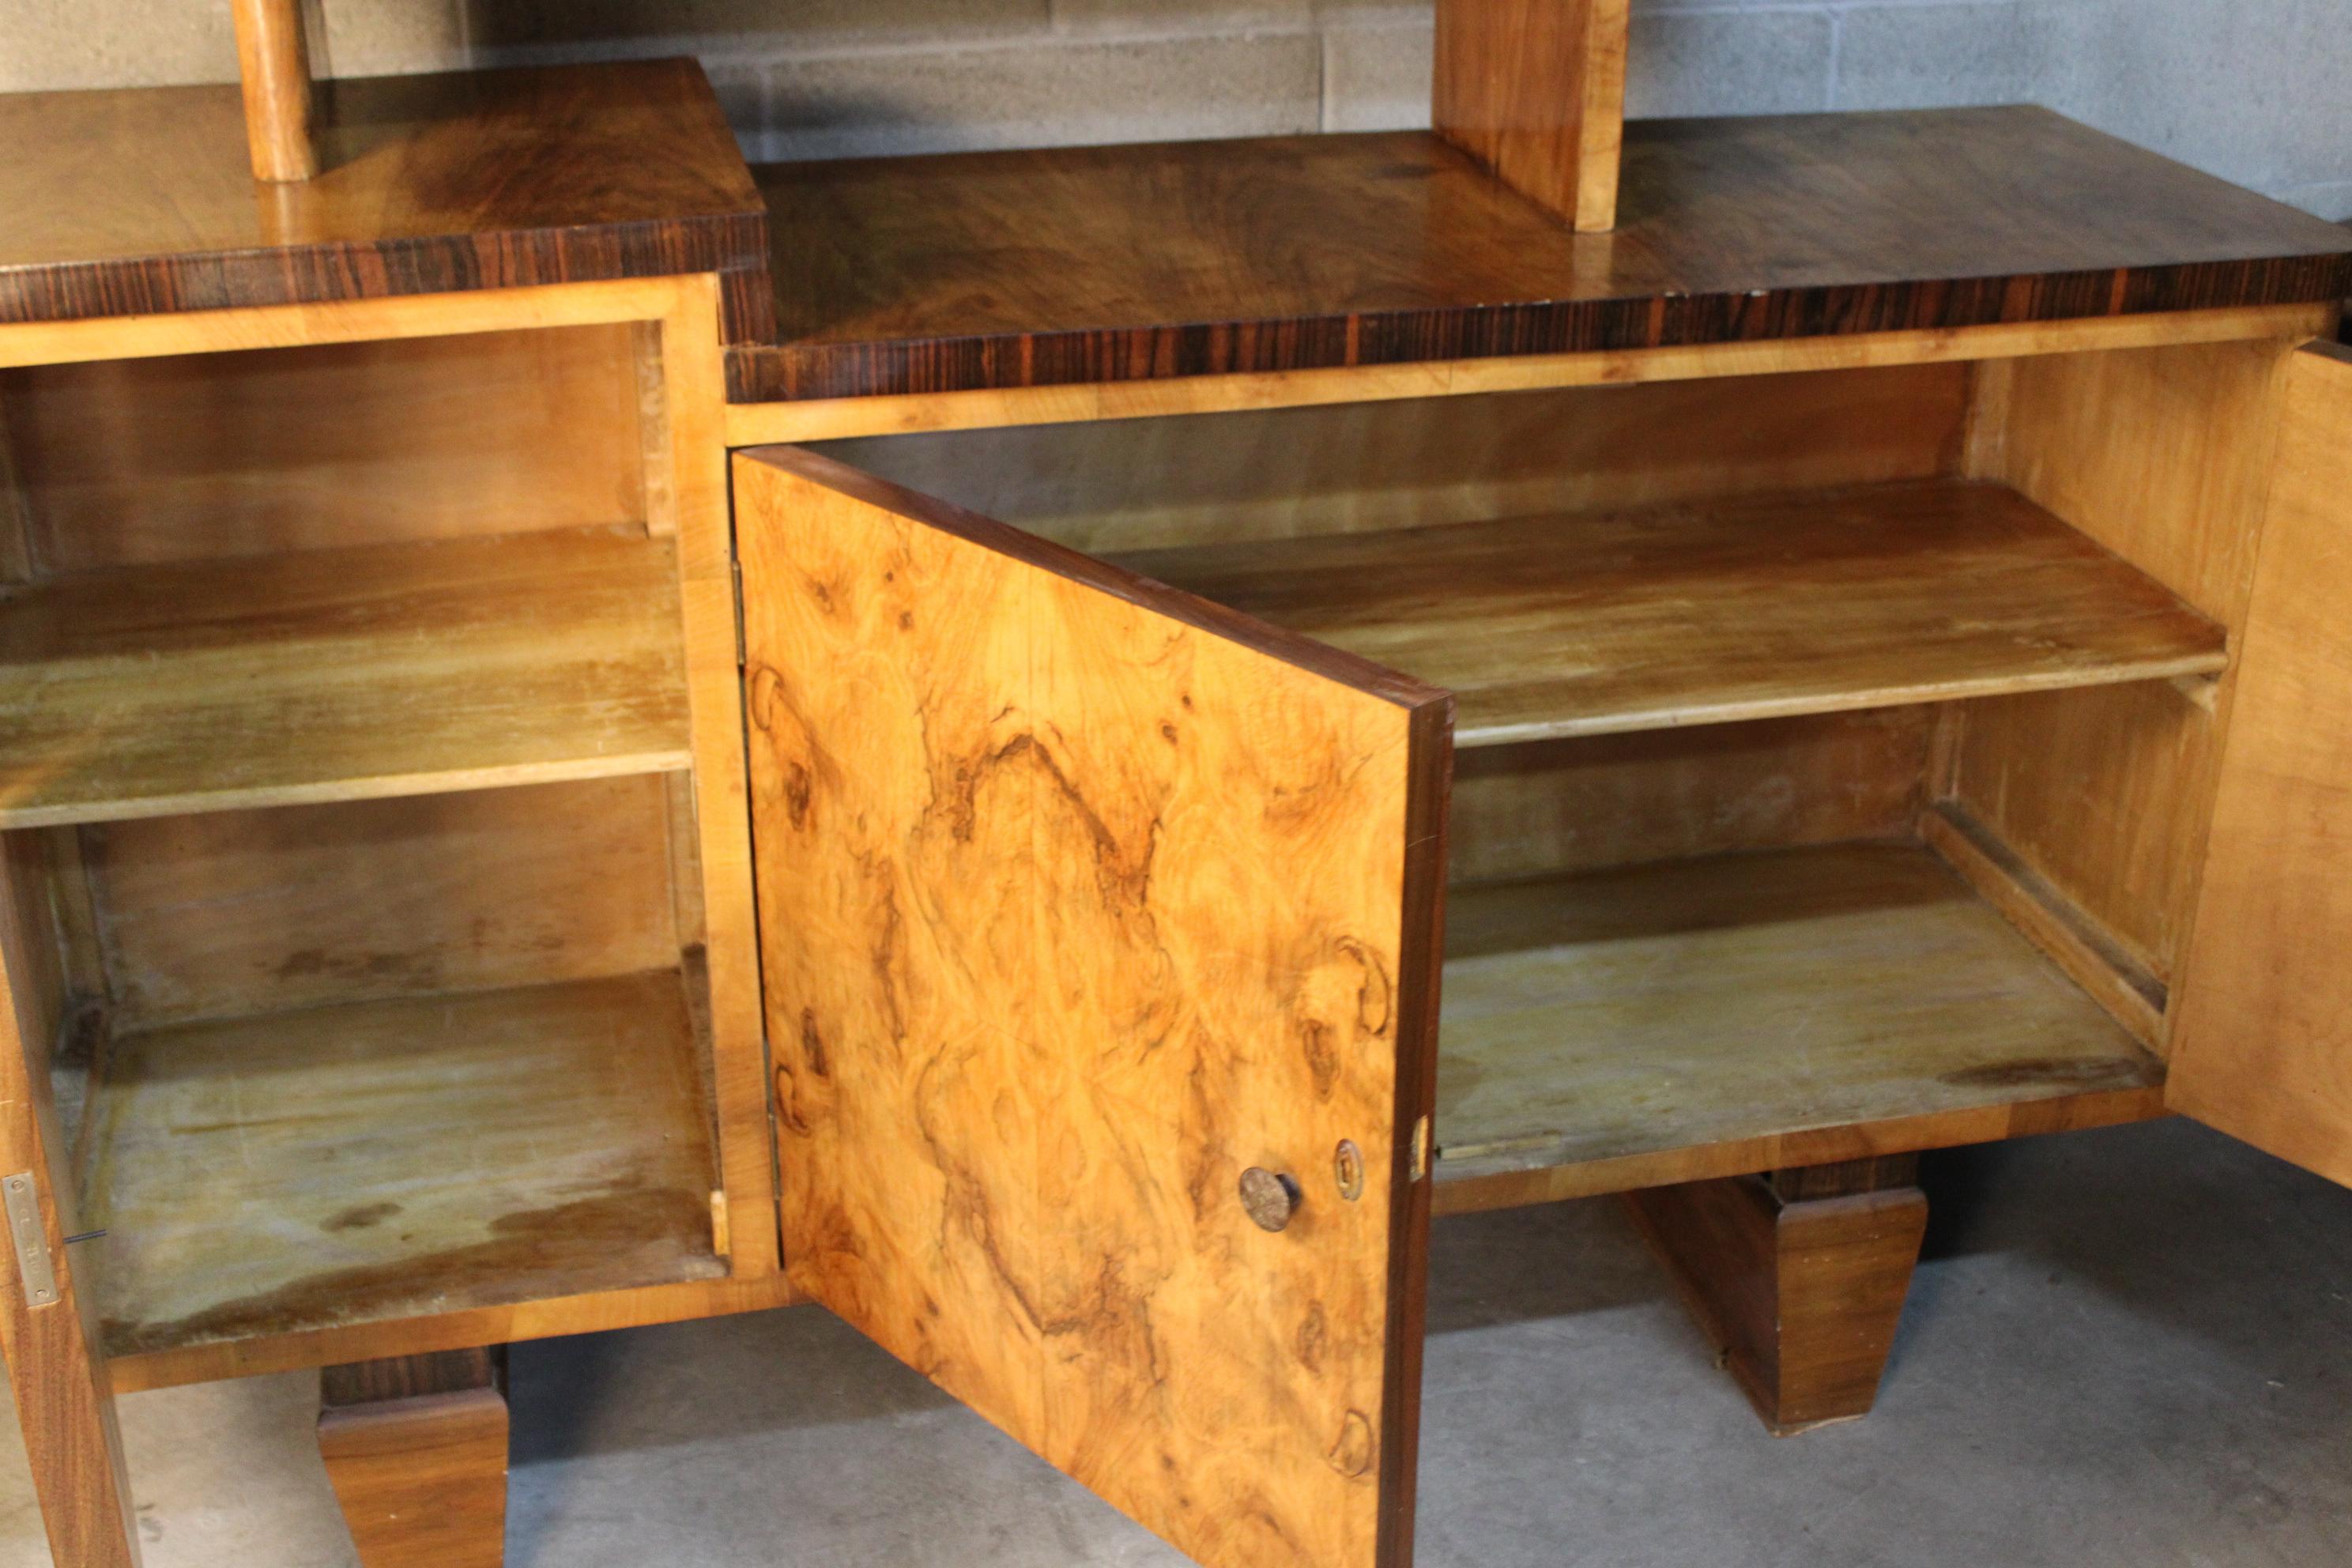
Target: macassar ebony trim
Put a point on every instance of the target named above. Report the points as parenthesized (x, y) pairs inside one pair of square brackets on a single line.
[(322, 274), (800, 371), (140, 202)]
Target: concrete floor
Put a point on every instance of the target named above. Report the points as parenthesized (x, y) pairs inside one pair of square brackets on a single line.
[(2129, 1347)]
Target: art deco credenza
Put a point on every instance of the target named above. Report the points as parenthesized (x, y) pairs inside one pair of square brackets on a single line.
[(1052, 750)]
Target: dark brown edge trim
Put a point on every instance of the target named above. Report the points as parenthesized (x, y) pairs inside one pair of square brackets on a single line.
[(998, 361), (1346, 668), (342, 270), (1422, 962)]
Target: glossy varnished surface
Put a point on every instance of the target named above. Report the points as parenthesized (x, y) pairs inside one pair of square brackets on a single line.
[(1596, 623), (142, 200), (1008, 269), (1078, 900), (1744, 997)]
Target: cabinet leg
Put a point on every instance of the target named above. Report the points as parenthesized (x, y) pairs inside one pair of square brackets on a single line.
[(1798, 1278), (417, 1450)]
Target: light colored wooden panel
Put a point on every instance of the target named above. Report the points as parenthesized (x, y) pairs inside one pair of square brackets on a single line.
[(1535, 90), (1142, 484), (827, 419), (1079, 902), (263, 911), (2260, 1049), (1744, 997), (694, 496), (57, 1370), (1558, 806), (133, 461), (273, 62), (381, 1160), (543, 1317), (2163, 456), (1820, 601), (331, 675)]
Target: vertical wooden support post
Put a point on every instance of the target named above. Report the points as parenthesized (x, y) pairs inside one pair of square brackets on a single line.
[(1798, 1278), (55, 1366), (416, 1450), (1535, 90), (274, 62)]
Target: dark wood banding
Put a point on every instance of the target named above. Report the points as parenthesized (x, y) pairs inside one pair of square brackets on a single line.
[(1113, 264), (141, 201)]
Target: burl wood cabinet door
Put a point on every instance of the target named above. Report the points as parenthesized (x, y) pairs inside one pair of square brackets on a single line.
[(1100, 937), (2262, 1047)]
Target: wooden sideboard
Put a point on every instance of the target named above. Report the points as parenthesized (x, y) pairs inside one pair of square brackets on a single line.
[(1229, 697)]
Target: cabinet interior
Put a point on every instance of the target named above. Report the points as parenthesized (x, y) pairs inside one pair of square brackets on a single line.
[(350, 818), (1833, 749)]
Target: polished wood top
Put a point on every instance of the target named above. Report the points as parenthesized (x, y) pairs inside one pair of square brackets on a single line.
[(140, 200), (999, 270)]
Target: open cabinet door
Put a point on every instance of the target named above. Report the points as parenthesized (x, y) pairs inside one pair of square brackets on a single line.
[(2262, 1047), (1100, 937)]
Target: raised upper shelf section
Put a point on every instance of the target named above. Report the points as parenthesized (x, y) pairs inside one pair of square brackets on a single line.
[(1111, 264), (140, 200)]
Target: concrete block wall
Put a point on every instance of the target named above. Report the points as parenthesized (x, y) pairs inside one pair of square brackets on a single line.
[(2257, 91)]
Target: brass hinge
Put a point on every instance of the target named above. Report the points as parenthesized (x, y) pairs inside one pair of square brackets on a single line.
[(23, 1201)]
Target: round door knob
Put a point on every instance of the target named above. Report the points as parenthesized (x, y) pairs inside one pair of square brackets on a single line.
[(1269, 1197)]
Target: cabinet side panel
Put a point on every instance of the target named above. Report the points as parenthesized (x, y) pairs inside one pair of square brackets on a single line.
[(2260, 1048), (1535, 89), (2163, 456)]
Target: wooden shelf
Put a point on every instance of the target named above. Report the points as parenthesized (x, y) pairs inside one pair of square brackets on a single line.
[(141, 201), (383, 1160), (1586, 624), (1702, 1017), (331, 675), (1134, 263)]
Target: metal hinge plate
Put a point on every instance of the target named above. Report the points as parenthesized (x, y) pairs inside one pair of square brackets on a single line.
[(25, 1235)]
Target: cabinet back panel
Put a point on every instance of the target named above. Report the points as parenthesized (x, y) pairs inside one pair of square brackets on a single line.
[(1143, 483), (243, 454), (1562, 806), (2164, 456), (246, 912)]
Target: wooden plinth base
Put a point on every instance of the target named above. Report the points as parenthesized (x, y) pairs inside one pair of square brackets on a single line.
[(416, 1450), (1797, 1277)]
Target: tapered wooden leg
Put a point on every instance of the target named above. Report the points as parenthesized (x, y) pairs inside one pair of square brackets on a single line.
[(1798, 1278), (416, 1450)]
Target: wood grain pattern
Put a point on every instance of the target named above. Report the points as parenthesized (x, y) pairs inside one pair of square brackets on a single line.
[(834, 418), (57, 1369), (1798, 1297), (1747, 997), (128, 461), (1600, 623), (139, 201), (2164, 456), (1535, 90), (1557, 807), (2259, 1048), (1143, 484), (421, 1480), (1078, 898), (389, 1378), (928, 275), (232, 913), (340, 674), (689, 460), (544, 1317), (378, 1159), (273, 65)]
